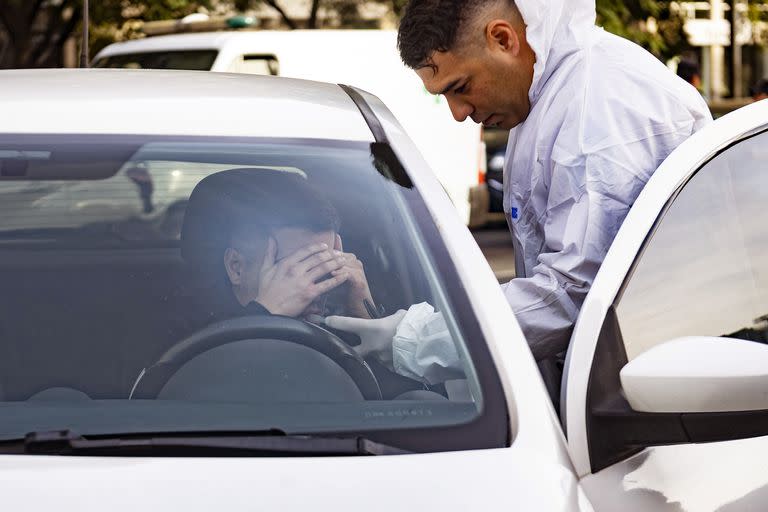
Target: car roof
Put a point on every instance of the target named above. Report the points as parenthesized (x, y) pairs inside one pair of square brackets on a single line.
[(160, 102), (218, 40)]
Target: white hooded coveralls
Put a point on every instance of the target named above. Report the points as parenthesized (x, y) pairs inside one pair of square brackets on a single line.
[(604, 114)]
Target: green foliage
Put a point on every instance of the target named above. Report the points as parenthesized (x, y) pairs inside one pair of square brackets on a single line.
[(117, 20), (758, 10), (651, 24), (36, 28)]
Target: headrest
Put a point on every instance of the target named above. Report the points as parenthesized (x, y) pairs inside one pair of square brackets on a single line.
[(261, 197)]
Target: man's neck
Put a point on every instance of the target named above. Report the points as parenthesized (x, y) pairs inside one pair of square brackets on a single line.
[(241, 296)]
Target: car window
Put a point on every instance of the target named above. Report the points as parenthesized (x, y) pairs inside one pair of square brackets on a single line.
[(704, 271), (196, 60), (134, 273), (256, 65)]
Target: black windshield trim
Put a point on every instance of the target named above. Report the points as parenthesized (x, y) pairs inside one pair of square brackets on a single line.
[(30, 139), (269, 443), (370, 118), (107, 61)]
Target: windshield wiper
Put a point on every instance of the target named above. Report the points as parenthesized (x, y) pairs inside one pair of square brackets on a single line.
[(268, 443)]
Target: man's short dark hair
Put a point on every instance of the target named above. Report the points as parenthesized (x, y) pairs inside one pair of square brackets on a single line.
[(229, 204), (430, 26), (275, 200)]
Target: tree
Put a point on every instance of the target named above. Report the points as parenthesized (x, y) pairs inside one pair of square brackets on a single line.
[(118, 20), (33, 28), (652, 24), (36, 30), (657, 25)]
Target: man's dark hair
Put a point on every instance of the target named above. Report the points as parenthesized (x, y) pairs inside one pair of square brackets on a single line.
[(430, 26), (687, 69), (761, 87), (229, 204), (277, 199)]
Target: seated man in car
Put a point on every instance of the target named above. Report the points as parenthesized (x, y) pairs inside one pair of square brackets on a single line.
[(263, 242)]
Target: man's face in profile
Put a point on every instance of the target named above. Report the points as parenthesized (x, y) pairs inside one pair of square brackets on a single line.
[(488, 81)]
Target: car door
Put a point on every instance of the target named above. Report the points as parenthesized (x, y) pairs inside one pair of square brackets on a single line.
[(690, 260)]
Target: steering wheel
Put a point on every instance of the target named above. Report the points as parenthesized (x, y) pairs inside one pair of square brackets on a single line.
[(151, 380)]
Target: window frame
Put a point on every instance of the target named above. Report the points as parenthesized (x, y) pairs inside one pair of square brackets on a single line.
[(270, 59), (623, 432), (214, 51)]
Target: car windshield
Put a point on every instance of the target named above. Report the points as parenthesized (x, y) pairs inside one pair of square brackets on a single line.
[(141, 275), (196, 60)]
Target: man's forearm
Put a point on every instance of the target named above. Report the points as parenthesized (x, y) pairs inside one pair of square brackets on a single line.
[(545, 311)]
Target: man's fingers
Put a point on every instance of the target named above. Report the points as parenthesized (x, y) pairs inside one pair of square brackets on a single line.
[(269, 256), (304, 253), (323, 260), (333, 267), (330, 283)]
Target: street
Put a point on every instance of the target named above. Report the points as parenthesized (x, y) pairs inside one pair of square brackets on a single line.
[(496, 244)]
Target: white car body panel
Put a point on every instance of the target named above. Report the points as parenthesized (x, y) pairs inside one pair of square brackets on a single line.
[(724, 477), (457, 481), (112, 101), (367, 59), (619, 481)]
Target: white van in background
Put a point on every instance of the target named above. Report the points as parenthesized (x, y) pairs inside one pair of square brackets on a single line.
[(367, 59)]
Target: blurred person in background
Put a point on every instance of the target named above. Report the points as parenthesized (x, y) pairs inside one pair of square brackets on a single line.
[(759, 91), (688, 70)]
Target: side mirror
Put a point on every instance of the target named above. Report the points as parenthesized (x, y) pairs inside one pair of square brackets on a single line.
[(698, 375), (687, 390)]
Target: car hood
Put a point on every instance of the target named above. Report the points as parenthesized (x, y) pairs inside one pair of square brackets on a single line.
[(477, 480)]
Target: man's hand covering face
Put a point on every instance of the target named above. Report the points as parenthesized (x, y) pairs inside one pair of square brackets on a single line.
[(287, 287), (359, 291)]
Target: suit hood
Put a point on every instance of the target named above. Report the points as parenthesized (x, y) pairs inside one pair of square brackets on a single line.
[(554, 29)]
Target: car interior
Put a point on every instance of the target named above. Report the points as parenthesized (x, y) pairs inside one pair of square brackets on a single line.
[(86, 308)]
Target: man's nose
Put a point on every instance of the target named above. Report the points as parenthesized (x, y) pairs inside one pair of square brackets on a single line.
[(460, 109)]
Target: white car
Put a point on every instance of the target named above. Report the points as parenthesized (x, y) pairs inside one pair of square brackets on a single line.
[(106, 407)]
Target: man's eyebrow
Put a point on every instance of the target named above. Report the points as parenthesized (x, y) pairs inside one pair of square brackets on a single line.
[(449, 87)]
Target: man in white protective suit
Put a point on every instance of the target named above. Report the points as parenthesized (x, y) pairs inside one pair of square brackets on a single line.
[(591, 116)]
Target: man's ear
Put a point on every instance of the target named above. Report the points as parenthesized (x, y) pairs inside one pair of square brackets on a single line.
[(234, 264), (501, 35)]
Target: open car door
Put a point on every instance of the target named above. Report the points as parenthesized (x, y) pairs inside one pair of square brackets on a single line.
[(665, 398)]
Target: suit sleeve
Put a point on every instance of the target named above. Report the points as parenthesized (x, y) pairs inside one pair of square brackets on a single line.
[(588, 199)]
